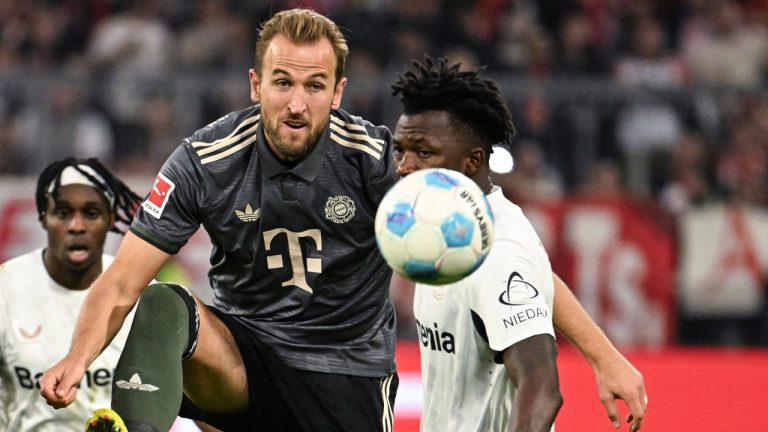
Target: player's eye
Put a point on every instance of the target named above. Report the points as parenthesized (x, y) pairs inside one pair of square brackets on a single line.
[(92, 214), (62, 213), (316, 87), (282, 83), (424, 153)]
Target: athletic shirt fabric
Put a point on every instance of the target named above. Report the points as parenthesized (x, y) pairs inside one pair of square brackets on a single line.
[(464, 327), (294, 254), (37, 319)]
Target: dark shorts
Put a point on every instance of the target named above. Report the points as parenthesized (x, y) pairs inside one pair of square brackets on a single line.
[(292, 400)]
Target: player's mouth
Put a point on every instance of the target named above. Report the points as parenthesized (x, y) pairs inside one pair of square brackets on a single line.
[(295, 124), (78, 253)]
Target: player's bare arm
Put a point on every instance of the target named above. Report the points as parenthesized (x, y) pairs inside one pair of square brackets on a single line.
[(111, 298), (616, 377), (532, 366)]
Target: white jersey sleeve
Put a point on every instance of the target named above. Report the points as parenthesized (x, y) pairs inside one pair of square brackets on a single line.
[(514, 300)]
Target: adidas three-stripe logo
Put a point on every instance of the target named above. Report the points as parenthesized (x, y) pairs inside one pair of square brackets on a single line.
[(240, 138), (355, 136)]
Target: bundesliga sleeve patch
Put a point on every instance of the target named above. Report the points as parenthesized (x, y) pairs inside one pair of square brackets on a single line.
[(157, 200)]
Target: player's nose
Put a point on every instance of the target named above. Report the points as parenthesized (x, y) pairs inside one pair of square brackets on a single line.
[(406, 165), (77, 223), (297, 104)]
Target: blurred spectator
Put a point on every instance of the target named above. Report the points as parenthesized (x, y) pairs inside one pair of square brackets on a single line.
[(603, 181), (63, 125), (532, 180), (578, 53), (742, 170), (687, 184), (648, 62), (11, 163), (726, 51), (216, 39), (135, 49), (160, 136), (649, 126)]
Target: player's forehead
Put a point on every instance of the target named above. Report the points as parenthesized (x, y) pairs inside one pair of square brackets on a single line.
[(429, 126), (78, 195), (311, 59)]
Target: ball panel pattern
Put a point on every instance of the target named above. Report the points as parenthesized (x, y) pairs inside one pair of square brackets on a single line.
[(434, 226)]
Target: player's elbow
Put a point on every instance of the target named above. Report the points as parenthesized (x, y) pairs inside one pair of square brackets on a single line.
[(538, 401), (550, 399)]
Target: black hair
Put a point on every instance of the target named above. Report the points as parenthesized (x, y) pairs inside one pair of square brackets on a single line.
[(475, 102), (124, 202)]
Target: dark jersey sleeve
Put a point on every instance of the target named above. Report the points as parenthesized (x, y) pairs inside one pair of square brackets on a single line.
[(170, 214), (382, 175)]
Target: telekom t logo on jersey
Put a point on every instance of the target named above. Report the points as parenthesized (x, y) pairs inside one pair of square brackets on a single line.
[(314, 265), (161, 192)]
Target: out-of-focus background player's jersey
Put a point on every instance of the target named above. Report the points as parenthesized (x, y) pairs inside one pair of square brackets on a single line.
[(37, 319), (294, 254), (464, 327)]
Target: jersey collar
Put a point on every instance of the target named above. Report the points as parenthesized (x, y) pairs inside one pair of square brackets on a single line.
[(307, 169)]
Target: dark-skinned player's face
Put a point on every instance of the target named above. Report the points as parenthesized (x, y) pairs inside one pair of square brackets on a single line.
[(430, 140), (77, 225)]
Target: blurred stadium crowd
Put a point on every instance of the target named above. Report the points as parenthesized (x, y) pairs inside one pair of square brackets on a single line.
[(642, 148)]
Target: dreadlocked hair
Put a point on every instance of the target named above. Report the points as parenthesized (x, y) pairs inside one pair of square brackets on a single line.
[(435, 85), (125, 202)]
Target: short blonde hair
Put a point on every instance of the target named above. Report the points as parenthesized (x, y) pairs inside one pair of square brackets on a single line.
[(302, 26)]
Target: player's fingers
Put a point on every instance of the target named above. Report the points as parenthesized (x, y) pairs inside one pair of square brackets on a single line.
[(636, 419), (609, 403), (48, 383)]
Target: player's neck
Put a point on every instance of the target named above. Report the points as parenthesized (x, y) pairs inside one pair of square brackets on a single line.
[(69, 278)]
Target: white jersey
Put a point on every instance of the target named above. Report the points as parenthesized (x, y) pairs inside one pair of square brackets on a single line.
[(464, 327), (37, 319)]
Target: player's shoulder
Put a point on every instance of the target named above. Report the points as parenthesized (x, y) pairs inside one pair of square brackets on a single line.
[(22, 264), (21, 274), (509, 219), (229, 138), (356, 135)]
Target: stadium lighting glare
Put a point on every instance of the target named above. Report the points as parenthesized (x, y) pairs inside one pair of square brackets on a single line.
[(501, 160)]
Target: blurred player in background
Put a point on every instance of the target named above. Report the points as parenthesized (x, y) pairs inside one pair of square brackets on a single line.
[(301, 333), (78, 203), (487, 342)]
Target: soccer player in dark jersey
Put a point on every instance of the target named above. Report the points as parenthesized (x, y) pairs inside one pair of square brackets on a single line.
[(451, 119), (301, 332)]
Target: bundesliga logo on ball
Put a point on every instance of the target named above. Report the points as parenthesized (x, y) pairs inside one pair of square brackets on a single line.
[(434, 226)]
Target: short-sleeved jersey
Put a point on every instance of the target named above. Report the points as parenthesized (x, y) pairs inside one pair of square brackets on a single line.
[(464, 327), (294, 253), (37, 319)]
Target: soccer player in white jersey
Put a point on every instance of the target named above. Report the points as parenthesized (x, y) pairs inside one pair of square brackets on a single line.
[(487, 342), (78, 202)]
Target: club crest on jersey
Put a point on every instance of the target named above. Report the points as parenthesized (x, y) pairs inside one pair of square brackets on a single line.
[(339, 209), (158, 198)]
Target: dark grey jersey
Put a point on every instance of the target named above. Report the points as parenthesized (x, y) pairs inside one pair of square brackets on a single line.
[(294, 253)]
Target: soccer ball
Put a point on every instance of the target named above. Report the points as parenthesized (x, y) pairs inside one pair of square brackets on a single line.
[(434, 226)]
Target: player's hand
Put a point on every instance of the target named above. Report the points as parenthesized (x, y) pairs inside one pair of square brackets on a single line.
[(59, 384), (618, 379)]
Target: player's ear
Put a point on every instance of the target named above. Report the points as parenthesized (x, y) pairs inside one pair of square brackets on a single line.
[(474, 161), (338, 91), (255, 81)]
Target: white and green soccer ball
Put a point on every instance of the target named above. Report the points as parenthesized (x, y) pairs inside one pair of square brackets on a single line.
[(434, 226)]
